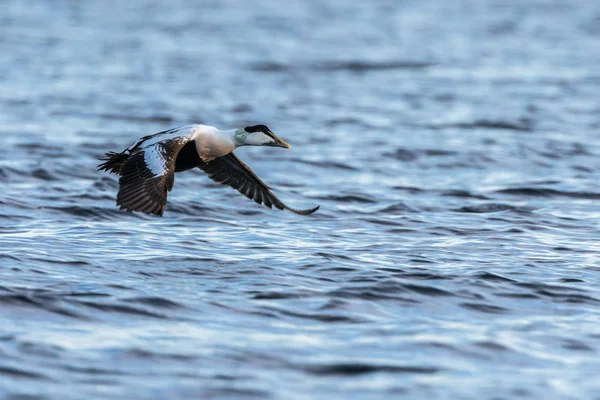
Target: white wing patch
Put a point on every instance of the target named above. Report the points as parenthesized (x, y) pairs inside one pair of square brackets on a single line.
[(155, 160)]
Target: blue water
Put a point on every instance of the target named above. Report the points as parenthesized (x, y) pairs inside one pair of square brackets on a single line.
[(453, 147)]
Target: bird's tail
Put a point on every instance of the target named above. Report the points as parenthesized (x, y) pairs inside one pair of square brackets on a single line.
[(113, 162)]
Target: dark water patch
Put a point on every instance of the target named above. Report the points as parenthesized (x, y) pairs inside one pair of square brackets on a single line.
[(82, 294), (333, 122), (157, 356), (137, 118), (60, 261), (326, 164), (348, 198), (271, 66), (41, 350), (16, 373), (542, 192), (492, 277), (488, 208), (385, 222), (5, 173), (190, 271), (234, 393), (421, 261), (438, 153), (400, 231), (522, 125), (465, 194), (516, 295), (352, 66), (200, 211), (515, 230), (39, 302), (583, 168), (333, 257), (571, 280), (250, 213), (242, 108), (318, 317), (335, 270), (404, 154), (281, 295), (424, 276), (573, 298), (39, 145), (122, 309), (352, 369), (24, 396), (561, 248), (373, 293), (485, 308), (545, 286), (7, 289), (158, 302), (471, 294), (93, 370), (37, 271), (151, 274), (97, 148), (44, 174), (106, 183), (10, 257), (177, 259), (442, 231), (427, 290), (86, 212), (577, 345), (410, 189), (119, 286), (492, 346), (17, 205), (399, 207), (94, 197), (363, 66)]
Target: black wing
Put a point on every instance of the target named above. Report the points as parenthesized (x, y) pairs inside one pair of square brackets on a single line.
[(230, 170), (147, 176)]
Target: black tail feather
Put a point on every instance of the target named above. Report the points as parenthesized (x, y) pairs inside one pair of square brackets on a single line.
[(113, 162)]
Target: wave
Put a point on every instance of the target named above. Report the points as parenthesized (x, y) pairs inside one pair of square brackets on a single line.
[(543, 192)]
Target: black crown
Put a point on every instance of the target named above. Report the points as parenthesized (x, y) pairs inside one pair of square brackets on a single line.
[(258, 128)]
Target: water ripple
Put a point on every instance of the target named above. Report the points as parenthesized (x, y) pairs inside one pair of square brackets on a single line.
[(455, 251)]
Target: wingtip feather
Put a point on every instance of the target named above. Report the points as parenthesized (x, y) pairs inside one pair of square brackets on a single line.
[(304, 212)]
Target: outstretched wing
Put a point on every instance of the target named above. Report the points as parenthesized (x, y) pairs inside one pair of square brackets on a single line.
[(230, 170), (113, 162), (148, 175)]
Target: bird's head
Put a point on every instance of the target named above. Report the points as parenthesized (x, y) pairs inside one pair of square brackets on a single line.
[(259, 135)]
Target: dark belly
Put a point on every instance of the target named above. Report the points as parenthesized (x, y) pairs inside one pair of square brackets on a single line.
[(188, 158)]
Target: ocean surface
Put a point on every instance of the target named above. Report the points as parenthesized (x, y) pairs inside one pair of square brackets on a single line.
[(454, 148)]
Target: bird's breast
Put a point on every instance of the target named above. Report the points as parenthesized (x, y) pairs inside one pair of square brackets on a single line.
[(210, 147)]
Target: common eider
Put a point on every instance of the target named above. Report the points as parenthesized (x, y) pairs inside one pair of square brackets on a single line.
[(147, 168)]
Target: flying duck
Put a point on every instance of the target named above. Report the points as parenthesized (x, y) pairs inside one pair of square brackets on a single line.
[(147, 168)]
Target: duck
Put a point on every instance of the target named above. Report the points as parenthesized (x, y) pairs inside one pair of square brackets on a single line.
[(147, 168)]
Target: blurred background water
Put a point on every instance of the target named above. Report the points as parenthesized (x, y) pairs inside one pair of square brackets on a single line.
[(453, 147)]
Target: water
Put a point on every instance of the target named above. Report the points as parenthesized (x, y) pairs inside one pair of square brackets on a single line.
[(452, 146)]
